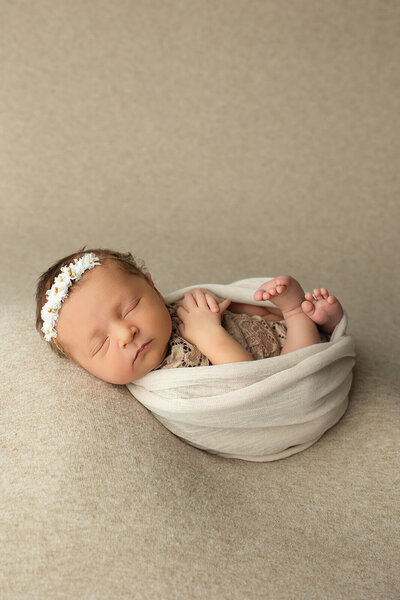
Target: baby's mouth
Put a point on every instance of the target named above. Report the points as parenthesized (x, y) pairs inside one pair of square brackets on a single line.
[(139, 352)]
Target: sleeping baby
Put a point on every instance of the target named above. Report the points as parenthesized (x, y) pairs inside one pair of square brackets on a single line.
[(101, 310)]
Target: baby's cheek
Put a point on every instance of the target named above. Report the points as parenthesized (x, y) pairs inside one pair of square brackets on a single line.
[(127, 370), (119, 374)]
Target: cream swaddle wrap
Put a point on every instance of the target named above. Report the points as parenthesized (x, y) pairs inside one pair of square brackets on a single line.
[(259, 410)]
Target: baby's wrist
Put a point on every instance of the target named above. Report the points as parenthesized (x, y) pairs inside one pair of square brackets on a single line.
[(209, 337), (222, 348)]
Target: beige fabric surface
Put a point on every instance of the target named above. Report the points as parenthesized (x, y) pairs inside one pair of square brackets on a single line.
[(215, 141)]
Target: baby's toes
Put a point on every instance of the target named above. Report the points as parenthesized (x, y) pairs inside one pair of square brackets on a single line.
[(262, 294), (308, 307), (309, 296), (280, 288), (324, 293)]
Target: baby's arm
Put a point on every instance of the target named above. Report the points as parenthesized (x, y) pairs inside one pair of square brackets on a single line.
[(202, 327), (221, 348)]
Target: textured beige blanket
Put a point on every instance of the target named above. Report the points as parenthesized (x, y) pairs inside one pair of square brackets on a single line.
[(258, 410)]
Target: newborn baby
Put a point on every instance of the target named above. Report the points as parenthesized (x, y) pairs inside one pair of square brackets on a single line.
[(106, 315)]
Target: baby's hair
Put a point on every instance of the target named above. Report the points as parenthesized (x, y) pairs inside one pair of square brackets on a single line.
[(125, 261)]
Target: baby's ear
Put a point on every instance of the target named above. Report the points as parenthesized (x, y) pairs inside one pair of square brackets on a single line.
[(149, 279), (151, 282)]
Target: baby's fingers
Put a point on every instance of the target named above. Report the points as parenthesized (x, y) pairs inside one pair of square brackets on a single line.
[(212, 302), (181, 312), (224, 304), (191, 299)]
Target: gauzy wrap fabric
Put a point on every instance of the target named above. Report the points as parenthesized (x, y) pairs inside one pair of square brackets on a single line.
[(259, 410)]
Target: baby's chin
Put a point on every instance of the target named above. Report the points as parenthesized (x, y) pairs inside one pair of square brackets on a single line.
[(114, 380), (120, 379)]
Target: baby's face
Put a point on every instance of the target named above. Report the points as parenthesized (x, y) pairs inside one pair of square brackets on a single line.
[(106, 319)]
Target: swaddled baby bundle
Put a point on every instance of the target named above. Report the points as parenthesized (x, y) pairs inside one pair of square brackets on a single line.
[(259, 410)]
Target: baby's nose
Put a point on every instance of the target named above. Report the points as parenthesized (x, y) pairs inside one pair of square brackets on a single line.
[(126, 335)]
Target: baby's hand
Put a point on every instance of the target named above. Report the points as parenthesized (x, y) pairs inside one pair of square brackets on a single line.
[(212, 300), (199, 316)]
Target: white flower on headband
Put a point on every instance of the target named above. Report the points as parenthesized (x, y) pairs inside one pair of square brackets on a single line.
[(59, 291)]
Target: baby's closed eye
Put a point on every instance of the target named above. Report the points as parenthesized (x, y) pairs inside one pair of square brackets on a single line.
[(132, 306)]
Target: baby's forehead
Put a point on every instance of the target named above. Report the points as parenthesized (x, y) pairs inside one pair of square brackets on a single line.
[(114, 269), (129, 282), (122, 278), (107, 281)]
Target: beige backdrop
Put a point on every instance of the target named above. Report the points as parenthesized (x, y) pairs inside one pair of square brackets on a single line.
[(215, 140)]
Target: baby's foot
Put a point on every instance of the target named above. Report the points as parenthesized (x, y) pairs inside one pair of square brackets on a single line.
[(283, 291), (326, 311)]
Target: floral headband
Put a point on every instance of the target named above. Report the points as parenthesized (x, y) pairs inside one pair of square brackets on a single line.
[(59, 291)]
